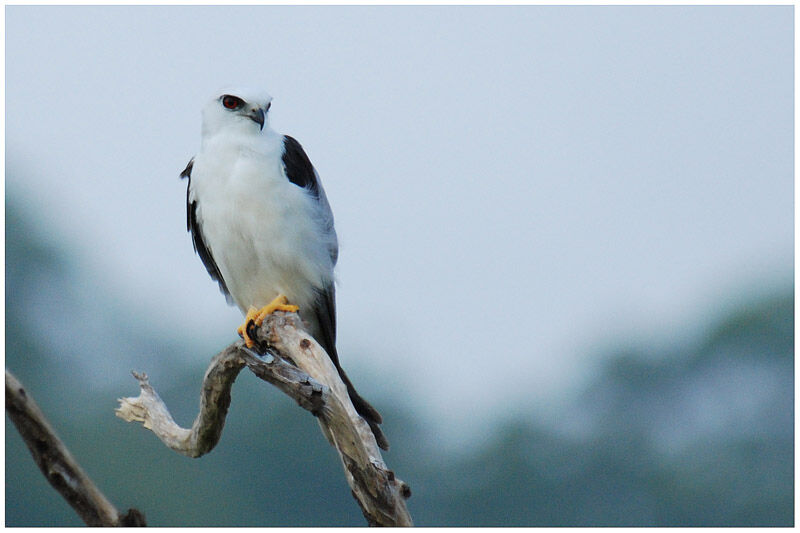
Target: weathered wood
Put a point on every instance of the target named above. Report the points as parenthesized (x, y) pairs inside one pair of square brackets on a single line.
[(57, 464), (215, 398), (298, 366), (150, 410), (379, 493)]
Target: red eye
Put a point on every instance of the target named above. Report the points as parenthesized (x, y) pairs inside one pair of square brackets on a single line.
[(231, 102)]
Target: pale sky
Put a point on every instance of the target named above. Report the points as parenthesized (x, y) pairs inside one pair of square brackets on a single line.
[(516, 189)]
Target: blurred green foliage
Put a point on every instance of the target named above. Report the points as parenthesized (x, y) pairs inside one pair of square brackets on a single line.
[(700, 437)]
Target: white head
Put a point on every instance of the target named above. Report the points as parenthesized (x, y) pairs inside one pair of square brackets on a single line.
[(237, 110)]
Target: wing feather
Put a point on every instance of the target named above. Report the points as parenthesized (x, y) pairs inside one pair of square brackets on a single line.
[(194, 226), (301, 172)]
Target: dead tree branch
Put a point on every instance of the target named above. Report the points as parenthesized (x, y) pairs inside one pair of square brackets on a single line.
[(299, 367), (57, 464)]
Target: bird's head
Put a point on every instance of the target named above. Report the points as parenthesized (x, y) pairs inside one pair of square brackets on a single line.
[(237, 110)]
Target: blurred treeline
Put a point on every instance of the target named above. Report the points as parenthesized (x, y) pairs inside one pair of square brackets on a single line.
[(703, 436)]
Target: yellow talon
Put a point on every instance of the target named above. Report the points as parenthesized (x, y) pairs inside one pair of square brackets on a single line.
[(257, 316)]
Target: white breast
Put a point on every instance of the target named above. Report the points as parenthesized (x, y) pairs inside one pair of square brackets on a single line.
[(263, 231)]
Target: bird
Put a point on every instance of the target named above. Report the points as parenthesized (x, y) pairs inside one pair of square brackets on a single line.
[(261, 223)]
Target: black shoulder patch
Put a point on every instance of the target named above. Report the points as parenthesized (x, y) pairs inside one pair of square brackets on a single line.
[(298, 167)]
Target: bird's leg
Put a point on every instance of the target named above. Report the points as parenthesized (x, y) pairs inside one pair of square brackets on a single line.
[(255, 317)]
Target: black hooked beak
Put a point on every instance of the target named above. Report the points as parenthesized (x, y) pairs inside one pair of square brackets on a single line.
[(258, 116)]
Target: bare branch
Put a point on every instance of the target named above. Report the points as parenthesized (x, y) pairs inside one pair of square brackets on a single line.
[(149, 409), (203, 436), (299, 367), (379, 493), (57, 464)]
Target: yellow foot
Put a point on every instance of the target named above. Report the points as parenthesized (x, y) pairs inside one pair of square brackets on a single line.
[(255, 317)]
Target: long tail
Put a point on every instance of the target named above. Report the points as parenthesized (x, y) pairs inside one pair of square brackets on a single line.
[(369, 413), (324, 330)]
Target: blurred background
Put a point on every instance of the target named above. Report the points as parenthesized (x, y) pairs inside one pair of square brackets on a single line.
[(565, 275)]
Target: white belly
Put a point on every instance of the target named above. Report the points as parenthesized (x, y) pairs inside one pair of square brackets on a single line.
[(263, 232)]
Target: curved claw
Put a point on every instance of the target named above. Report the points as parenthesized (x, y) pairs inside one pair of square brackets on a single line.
[(255, 317)]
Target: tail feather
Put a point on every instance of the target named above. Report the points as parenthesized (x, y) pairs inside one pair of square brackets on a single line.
[(369, 413), (323, 328)]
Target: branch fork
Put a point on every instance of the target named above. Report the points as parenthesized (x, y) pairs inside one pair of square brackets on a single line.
[(296, 364)]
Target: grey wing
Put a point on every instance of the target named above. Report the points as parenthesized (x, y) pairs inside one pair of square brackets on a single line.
[(194, 226), (301, 172)]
